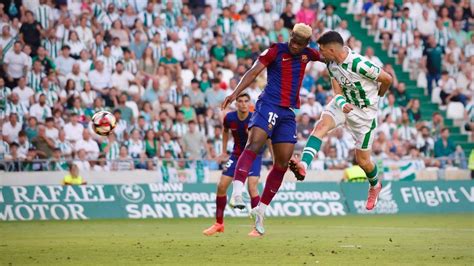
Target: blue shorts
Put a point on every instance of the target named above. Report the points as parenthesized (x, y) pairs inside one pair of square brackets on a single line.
[(232, 162), (279, 122)]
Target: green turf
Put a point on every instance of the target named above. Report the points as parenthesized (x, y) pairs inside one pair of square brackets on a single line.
[(351, 240)]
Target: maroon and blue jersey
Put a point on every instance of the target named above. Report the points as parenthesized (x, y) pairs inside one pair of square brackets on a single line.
[(285, 72), (239, 130)]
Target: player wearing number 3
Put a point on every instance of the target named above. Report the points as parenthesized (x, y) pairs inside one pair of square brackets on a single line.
[(355, 81), (237, 123), (273, 117)]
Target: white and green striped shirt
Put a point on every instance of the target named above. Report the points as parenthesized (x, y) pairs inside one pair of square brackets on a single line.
[(98, 49), (180, 129), (51, 97), (160, 30), (8, 45), (158, 126), (109, 62), (172, 146), (34, 80), (4, 149), (330, 22), (65, 147), (114, 150), (135, 148), (121, 129), (130, 66), (20, 109), (158, 50), (4, 93), (43, 15), (147, 18), (357, 77), (53, 47)]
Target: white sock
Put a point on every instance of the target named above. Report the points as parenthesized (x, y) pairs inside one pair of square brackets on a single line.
[(262, 207), (237, 188)]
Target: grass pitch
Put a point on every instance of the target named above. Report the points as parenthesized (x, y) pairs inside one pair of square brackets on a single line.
[(350, 240)]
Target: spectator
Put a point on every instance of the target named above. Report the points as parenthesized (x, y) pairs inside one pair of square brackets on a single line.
[(414, 112), (81, 161), (24, 144), (169, 145), (87, 144), (391, 109), (193, 142), (30, 31), (123, 162), (100, 79), (44, 145), (444, 147), (15, 65), (215, 96), (73, 129), (405, 130), (152, 144), (401, 95), (24, 92), (312, 107), (424, 142), (369, 53), (432, 57), (288, 16), (63, 144), (40, 110), (122, 79), (449, 91), (11, 129), (64, 63), (187, 109), (147, 65), (58, 163)]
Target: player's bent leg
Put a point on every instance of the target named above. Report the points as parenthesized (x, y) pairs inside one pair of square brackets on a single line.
[(325, 124), (370, 169), (221, 201), (256, 140)]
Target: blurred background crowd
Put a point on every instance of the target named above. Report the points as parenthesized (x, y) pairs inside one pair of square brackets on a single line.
[(164, 67)]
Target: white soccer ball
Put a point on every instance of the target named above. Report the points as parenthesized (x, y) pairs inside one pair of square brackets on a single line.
[(103, 123)]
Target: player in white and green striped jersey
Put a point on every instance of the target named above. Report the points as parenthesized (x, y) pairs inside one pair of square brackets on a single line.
[(355, 81)]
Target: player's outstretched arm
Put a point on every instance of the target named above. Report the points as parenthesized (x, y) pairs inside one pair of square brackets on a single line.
[(386, 80), (244, 82)]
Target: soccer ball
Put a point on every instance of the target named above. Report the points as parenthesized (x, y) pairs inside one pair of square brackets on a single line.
[(103, 123)]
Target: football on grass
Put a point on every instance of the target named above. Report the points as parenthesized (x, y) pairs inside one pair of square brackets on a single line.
[(103, 123)]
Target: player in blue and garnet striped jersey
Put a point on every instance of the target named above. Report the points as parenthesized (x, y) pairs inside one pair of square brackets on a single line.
[(237, 123), (273, 117)]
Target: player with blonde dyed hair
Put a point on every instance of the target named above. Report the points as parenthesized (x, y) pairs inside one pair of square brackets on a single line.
[(273, 117)]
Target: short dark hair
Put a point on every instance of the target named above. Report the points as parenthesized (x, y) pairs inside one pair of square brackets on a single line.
[(331, 37), (243, 95)]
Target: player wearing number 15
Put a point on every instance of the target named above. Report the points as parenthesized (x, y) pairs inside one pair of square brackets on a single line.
[(273, 117), (237, 123), (355, 81)]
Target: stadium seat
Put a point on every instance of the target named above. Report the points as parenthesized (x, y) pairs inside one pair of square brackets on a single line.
[(455, 110)]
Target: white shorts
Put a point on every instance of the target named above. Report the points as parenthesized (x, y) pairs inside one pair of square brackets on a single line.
[(360, 122)]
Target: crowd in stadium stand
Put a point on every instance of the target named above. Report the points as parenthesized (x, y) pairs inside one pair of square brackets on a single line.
[(164, 67)]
